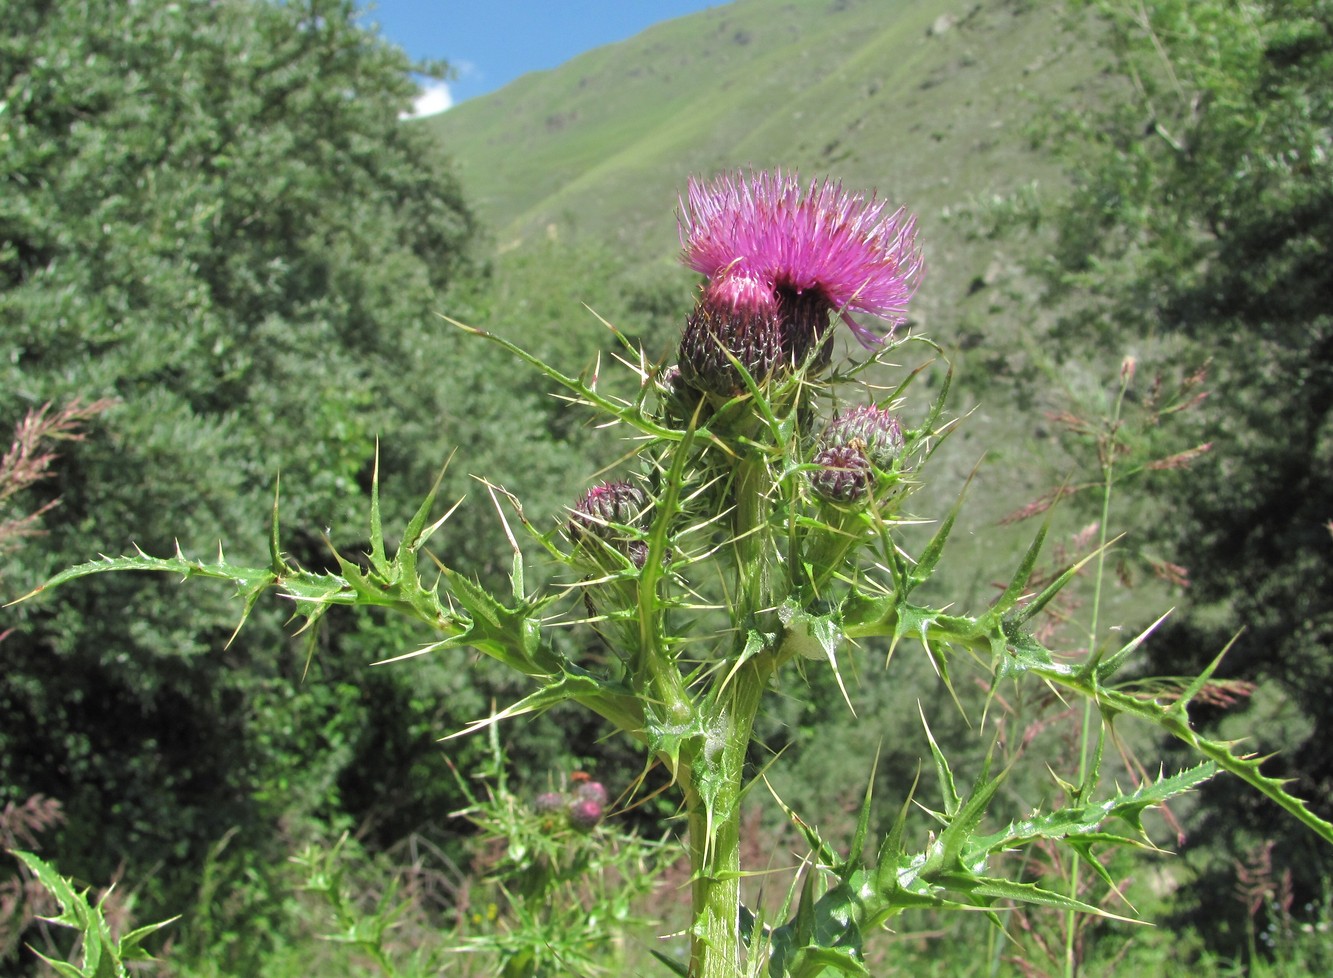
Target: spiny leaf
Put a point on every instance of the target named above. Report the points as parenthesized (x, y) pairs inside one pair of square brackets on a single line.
[(1196, 686), (1024, 573), (819, 962), (103, 957), (630, 415), (1087, 820), (1175, 721), (1105, 667), (986, 890), (243, 577), (930, 556), (568, 687), (823, 852), (854, 852), (378, 558), (956, 835), (891, 849), (952, 800), (1032, 608)]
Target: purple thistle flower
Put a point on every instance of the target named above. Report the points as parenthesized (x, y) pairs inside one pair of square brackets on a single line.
[(779, 260)]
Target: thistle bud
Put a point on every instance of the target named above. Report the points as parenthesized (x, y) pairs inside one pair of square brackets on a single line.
[(875, 430), (734, 318), (842, 474), (620, 503), (593, 791), (637, 552), (679, 398), (584, 814)]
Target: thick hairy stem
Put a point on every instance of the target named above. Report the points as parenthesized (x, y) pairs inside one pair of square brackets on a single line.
[(715, 774), (712, 791)]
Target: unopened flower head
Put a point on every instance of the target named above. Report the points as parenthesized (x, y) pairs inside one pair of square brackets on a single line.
[(874, 429), (549, 801), (680, 399), (778, 261), (593, 791), (608, 503), (842, 474), (584, 813)]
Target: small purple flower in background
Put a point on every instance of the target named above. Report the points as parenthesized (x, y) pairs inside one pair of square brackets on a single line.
[(778, 261), (593, 791), (584, 814)]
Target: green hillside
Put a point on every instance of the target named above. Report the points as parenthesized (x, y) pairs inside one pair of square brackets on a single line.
[(924, 100)]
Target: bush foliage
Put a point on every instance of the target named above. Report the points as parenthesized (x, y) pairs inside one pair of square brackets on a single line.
[(213, 217)]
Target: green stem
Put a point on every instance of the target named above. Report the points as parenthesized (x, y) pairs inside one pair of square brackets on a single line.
[(713, 782), (1108, 453), (715, 774), (748, 520)]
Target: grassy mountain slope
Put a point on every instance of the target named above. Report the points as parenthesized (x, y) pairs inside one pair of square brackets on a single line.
[(863, 90)]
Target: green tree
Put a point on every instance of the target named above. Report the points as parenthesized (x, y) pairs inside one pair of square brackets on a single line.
[(1202, 217), (212, 214)]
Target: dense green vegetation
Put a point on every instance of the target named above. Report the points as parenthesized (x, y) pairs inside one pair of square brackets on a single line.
[(1202, 222), (212, 215)]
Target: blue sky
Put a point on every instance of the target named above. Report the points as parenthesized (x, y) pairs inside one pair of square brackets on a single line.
[(492, 42)]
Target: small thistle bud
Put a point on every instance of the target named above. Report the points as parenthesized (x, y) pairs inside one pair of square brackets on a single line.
[(593, 791), (610, 502), (584, 814), (842, 474), (637, 552), (875, 430)]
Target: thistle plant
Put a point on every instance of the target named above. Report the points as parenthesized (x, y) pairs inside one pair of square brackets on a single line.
[(768, 490)]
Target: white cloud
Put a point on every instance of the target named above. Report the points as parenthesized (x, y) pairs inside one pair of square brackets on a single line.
[(434, 97)]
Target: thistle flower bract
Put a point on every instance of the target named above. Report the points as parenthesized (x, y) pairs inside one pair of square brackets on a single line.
[(842, 474), (874, 429), (778, 261), (679, 398)]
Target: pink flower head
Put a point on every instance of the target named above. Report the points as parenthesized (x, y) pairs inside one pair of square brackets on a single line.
[(760, 241)]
